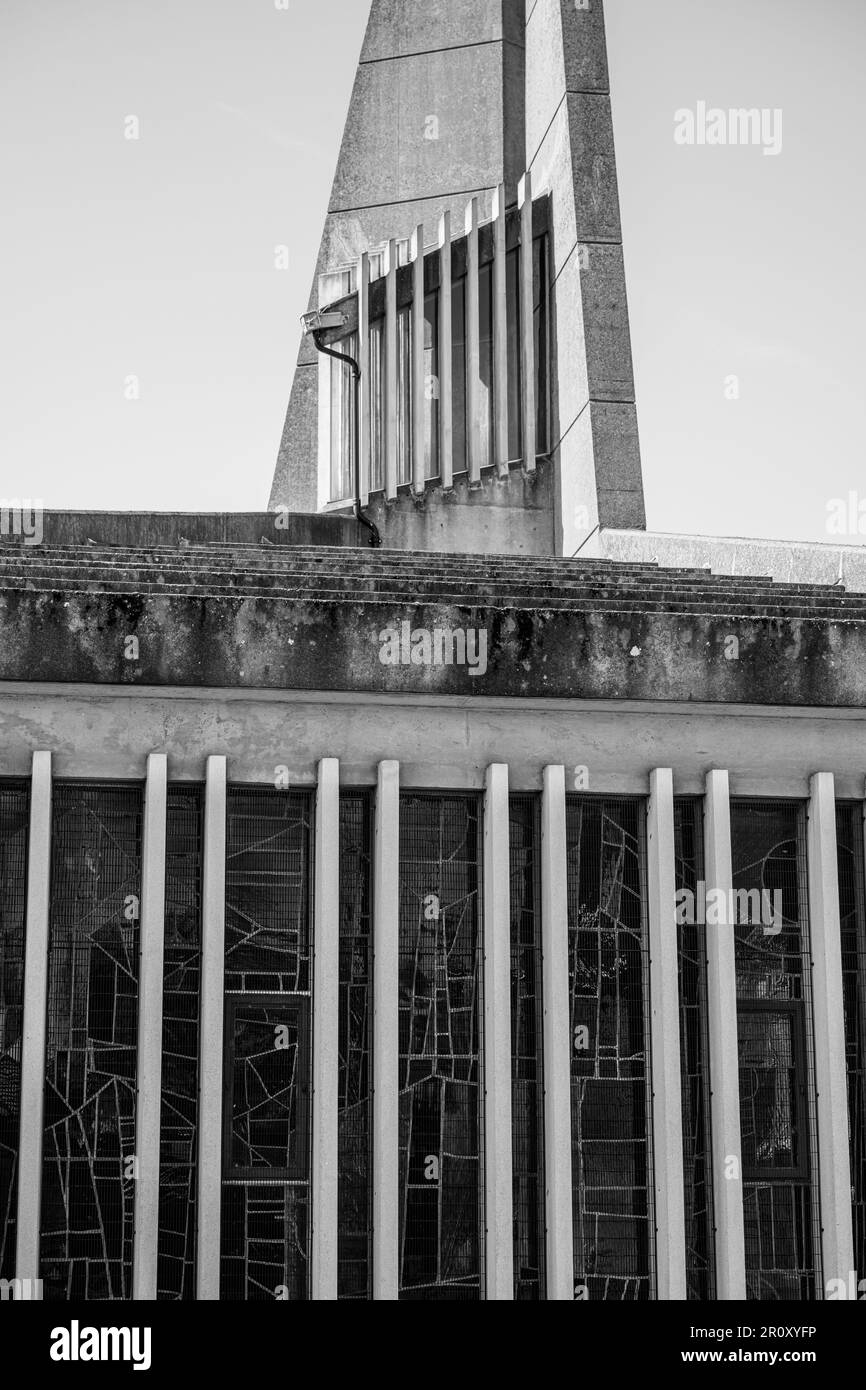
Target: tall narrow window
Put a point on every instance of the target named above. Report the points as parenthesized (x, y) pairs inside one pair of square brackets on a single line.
[(377, 405), (181, 995), (542, 345), (694, 1050), (266, 1166), (431, 386), (441, 1218), (88, 1168), (460, 454), (608, 975), (513, 329), (343, 422), (485, 346), (14, 815), (404, 396), (527, 1094), (776, 1050), (852, 905), (355, 1172)]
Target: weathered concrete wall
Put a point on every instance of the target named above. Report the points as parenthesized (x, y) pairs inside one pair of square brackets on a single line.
[(143, 529), (570, 652), (439, 742), (570, 149), (510, 516), (460, 64), (787, 562)]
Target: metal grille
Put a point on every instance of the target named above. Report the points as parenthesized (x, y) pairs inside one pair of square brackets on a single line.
[(89, 1138), (441, 1208), (852, 904), (265, 1242), (180, 1025), (355, 1206), (14, 816), (268, 892), (776, 1050), (694, 1052), (527, 1091), (265, 1226), (608, 973)]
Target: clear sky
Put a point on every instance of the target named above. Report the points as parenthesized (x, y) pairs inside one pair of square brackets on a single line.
[(146, 268)]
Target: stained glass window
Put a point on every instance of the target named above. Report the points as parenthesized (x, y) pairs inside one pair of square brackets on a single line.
[(268, 952), (89, 1162), (694, 1055), (180, 1044), (527, 1090), (776, 1050), (355, 1169), (852, 907), (14, 814), (608, 975), (441, 1248)]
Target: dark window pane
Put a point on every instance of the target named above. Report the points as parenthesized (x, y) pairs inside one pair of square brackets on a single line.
[(377, 406), (88, 1172), (542, 345), (460, 445), (404, 396), (440, 1067), (180, 1025), (355, 1195), (431, 386), (608, 971), (513, 328), (265, 1229), (694, 1057), (777, 1085), (852, 904), (14, 816), (265, 1242), (485, 344), (343, 422), (266, 1090), (527, 1092)]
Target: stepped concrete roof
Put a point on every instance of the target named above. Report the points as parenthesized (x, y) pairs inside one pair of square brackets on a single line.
[(341, 618)]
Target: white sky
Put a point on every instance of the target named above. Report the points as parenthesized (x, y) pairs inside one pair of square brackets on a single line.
[(155, 258)]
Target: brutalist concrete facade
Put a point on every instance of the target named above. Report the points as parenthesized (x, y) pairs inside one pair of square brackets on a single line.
[(461, 919)]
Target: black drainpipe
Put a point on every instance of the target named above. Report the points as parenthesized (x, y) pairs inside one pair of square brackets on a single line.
[(375, 538)]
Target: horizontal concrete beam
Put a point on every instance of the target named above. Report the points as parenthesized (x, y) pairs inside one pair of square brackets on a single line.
[(144, 529), (519, 652)]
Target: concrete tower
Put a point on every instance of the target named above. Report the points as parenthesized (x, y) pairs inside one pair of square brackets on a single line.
[(454, 100)]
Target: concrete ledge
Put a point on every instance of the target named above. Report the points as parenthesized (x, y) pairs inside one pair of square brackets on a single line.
[(264, 643), (786, 562), (144, 529)]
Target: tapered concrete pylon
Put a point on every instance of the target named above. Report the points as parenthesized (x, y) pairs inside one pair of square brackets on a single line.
[(452, 99), (436, 115)]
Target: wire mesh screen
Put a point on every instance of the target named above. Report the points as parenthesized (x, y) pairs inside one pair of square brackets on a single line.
[(852, 905), (180, 1025), (608, 971), (265, 1224), (776, 1050), (355, 1195), (441, 1216), (88, 1172), (14, 817), (694, 1051), (527, 1093)]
